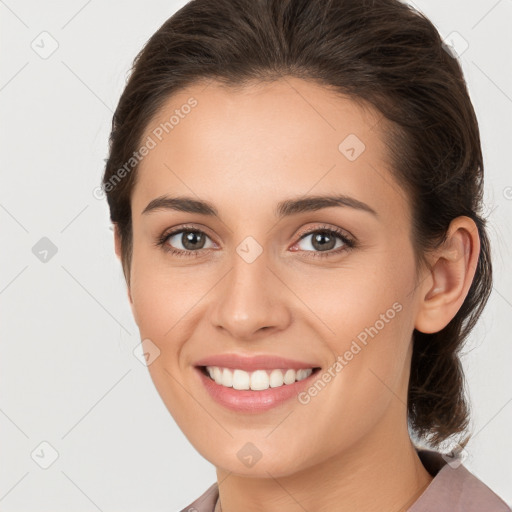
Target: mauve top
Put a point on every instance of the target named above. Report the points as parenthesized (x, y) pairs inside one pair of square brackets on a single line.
[(453, 489)]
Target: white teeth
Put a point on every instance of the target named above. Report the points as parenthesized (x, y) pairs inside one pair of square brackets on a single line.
[(241, 379), (289, 376), (257, 380), (276, 378), (217, 375), (227, 378)]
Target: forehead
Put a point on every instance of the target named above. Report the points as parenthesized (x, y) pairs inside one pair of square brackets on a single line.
[(251, 147)]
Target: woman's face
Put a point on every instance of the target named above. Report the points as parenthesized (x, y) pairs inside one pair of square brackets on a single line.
[(250, 281)]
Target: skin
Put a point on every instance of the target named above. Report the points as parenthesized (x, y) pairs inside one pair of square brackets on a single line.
[(244, 151)]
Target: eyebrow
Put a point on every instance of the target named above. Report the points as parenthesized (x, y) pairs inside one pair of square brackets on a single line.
[(283, 209)]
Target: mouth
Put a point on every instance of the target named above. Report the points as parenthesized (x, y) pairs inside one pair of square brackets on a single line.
[(257, 391), (257, 380)]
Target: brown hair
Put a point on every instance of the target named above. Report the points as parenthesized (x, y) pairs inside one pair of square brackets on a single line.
[(380, 53)]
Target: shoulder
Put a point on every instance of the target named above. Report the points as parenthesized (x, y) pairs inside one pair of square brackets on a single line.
[(454, 488), (205, 502)]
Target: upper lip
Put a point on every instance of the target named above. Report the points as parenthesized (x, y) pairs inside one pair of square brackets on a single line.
[(251, 363)]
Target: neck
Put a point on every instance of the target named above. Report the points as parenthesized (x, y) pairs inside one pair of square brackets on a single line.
[(371, 475)]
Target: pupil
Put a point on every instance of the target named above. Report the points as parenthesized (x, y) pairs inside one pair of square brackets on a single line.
[(319, 240), (190, 239)]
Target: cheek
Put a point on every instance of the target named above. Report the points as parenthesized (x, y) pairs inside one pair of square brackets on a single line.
[(353, 296), (366, 315), (168, 304), (158, 295), (164, 307), (152, 304)]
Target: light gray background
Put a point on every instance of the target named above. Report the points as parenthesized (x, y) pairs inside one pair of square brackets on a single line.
[(68, 376)]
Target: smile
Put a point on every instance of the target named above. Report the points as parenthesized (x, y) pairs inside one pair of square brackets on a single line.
[(257, 391), (257, 380)]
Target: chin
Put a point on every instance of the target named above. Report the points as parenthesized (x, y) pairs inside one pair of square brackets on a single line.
[(267, 466)]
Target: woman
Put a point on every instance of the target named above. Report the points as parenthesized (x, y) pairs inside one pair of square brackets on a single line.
[(296, 189)]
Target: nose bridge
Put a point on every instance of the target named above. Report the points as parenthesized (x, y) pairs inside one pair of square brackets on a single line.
[(250, 297)]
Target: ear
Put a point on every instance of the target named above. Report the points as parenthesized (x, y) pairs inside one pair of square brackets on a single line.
[(453, 267), (117, 248)]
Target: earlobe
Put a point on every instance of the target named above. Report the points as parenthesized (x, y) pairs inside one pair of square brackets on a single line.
[(452, 271)]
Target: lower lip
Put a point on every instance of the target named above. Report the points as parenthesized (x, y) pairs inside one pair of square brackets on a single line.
[(246, 400)]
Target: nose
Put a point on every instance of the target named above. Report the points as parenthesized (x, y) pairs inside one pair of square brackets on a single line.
[(250, 301)]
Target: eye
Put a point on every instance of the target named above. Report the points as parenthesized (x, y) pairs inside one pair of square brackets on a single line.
[(323, 240), (194, 241), (191, 239)]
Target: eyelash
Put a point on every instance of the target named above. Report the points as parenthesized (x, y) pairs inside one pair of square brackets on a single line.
[(349, 242)]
